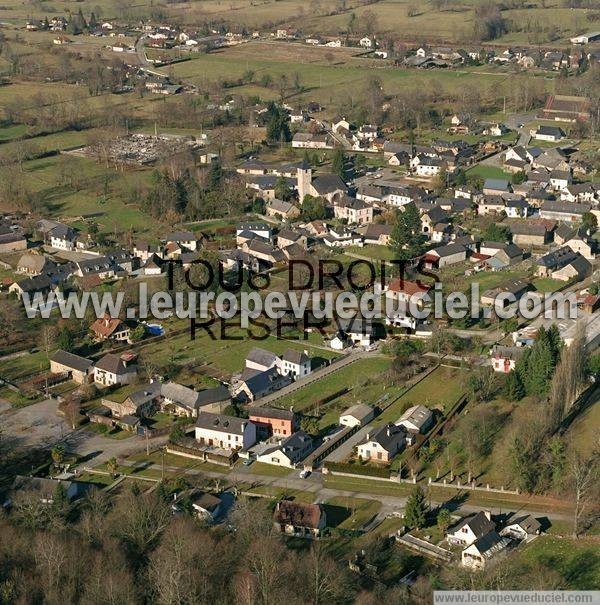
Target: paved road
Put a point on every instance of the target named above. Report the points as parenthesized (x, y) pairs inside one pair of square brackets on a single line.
[(322, 493), (340, 454)]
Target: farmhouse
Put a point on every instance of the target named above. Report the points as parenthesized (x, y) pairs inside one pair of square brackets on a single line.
[(227, 432), (205, 506), (357, 415), (553, 261), (376, 234), (445, 255), (515, 289), (35, 264), (114, 370), (287, 452), (254, 384), (504, 358), (576, 270), (79, 369), (299, 519), (306, 140), (477, 554), (353, 210), (282, 210), (295, 363), (383, 443), (521, 528), (273, 421), (469, 529), (548, 133), (416, 419), (11, 241), (563, 211), (110, 327), (531, 233), (261, 359), (496, 187)]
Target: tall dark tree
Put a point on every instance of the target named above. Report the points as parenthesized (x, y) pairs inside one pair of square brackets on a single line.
[(407, 239), (338, 163), (415, 513)]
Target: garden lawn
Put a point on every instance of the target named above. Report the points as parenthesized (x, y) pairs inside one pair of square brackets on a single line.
[(350, 513), (547, 284), (440, 390), (350, 376), (270, 470), (488, 172)]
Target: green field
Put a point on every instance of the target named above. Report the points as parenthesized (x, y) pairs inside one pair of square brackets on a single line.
[(547, 284), (328, 76), (226, 355), (357, 374), (488, 172), (576, 562), (439, 390)]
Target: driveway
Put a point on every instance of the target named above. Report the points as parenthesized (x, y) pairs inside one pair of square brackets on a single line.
[(39, 425), (341, 453)]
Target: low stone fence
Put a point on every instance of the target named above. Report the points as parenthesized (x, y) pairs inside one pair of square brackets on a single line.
[(472, 486)]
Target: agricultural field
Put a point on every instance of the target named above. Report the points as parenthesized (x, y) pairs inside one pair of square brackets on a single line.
[(329, 74), (327, 17), (226, 356)]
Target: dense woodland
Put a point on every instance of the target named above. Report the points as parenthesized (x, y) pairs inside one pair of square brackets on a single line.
[(130, 549)]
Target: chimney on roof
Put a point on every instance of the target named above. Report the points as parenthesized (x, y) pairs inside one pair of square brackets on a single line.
[(388, 431), (488, 515), (244, 425)]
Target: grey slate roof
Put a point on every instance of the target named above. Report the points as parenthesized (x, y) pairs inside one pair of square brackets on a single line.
[(70, 360), (328, 183), (221, 422), (261, 357), (295, 356), (558, 259), (389, 437), (480, 525), (112, 363)]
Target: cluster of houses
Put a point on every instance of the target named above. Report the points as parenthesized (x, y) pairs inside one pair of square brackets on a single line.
[(265, 372), (426, 57), (45, 271), (479, 538)]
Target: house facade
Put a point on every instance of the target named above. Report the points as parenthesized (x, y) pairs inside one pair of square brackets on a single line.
[(225, 432)]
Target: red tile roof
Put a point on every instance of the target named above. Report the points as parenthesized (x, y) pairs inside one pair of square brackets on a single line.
[(408, 287)]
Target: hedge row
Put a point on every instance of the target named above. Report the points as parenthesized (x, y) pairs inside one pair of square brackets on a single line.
[(358, 469)]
